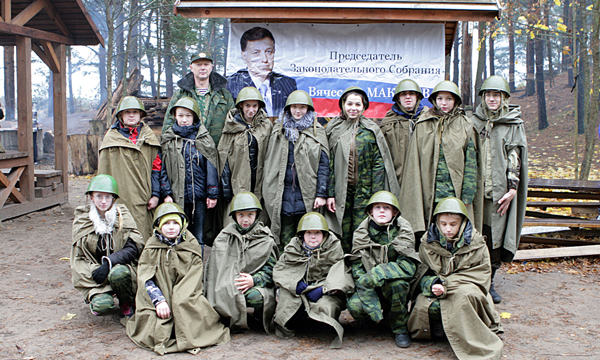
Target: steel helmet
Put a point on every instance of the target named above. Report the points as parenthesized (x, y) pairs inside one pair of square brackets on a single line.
[(249, 93), (244, 201), (495, 82), (187, 103), (312, 221), (450, 205), (407, 85), (131, 102), (169, 208), (299, 97), (448, 86), (357, 90), (103, 183), (385, 197)]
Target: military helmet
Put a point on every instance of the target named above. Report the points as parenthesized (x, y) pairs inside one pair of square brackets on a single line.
[(450, 205), (357, 90), (103, 183), (244, 201), (385, 197), (131, 102), (312, 221), (407, 85), (448, 86), (168, 208), (201, 55), (299, 97), (188, 103), (495, 82), (249, 93)]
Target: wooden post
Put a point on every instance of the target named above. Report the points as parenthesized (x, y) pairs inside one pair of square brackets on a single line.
[(24, 108), (60, 116)]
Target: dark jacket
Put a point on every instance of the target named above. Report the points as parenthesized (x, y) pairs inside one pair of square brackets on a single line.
[(201, 179), (292, 201), (281, 87), (219, 104)]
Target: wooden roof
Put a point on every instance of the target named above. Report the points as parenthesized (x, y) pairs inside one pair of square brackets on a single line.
[(345, 11), (58, 21)]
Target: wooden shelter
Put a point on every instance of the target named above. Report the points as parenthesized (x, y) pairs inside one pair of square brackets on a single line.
[(46, 27), (345, 12)]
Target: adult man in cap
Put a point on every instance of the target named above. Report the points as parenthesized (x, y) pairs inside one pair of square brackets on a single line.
[(258, 53), (208, 88)]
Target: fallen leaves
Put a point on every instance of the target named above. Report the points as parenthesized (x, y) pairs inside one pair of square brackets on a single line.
[(505, 315), (68, 317)]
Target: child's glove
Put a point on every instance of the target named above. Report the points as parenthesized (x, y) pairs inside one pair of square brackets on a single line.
[(315, 294), (301, 287), (101, 273)]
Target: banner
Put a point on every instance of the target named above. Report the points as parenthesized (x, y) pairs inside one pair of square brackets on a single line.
[(325, 59)]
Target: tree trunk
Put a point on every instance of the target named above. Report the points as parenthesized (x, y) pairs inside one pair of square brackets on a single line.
[(168, 55), (71, 102), (592, 118), (134, 35), (580, 53), (547, 12), (150, 56), (539, 79), (511, 56), (567, 62), (479, 73), (456, 60), (50, 96), (109, 60), (102, 73), (9, 83), (492, 55), (466, 66), (530, 80), (120, 44)]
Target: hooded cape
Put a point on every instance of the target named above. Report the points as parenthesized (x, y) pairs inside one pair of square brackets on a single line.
[(131, 166), (177, 271), (339, 133), (507, 133), (324, 268), (233, 148), (417, 196), (466, 276), (307, 153), (231, 254), (174, 162), (85, 241)]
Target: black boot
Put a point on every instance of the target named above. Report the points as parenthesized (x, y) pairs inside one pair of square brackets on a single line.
[(403, 340), (495, 296), (437, 330)]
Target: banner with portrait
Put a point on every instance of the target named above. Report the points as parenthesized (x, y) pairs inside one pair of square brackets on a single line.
[(325, 59)]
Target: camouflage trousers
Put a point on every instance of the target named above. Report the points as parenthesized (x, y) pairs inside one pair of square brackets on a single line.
[(254, 298), (435, 312), (120, 280), (289, 226), (354, 214)]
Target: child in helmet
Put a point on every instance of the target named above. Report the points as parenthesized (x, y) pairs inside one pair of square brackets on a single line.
[(172, 314), (454, 290), (384, 263), (361, 165), (105, 250), (239, 272), (296, 167), (189, 159), (442, 161), (399, 123), (243, 145), (130, 152), (311, 278)]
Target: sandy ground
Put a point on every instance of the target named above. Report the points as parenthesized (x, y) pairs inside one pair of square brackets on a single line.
[(552, 315)]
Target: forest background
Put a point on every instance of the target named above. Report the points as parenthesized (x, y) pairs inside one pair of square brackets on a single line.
[(549, 50)]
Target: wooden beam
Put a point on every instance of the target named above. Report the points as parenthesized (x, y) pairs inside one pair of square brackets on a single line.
[(42, 55), (52, 58), (9, 183), (557, 252), (60, 117), (29, 12), (35, 33), (16, 210), (25, 117), (525, 239), (7, 11), (51, 11)]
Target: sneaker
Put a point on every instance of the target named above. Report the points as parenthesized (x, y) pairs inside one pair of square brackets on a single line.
[(495, 296), (403, 340), (127, 309)]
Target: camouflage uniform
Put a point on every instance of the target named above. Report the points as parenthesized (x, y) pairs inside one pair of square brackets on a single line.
[(262, 278), (443, 182), (390, 281), (120, 280), (369, 177)]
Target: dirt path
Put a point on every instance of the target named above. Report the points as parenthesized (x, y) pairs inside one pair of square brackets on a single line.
[(552, 315)]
